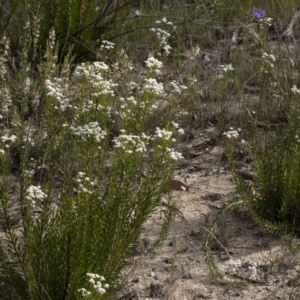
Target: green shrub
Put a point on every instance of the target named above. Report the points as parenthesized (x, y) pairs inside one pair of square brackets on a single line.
[(82, 169), (273, 199), (270, 195)]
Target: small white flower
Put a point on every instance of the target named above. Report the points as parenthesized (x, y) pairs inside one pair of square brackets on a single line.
[(231, 133), (176, 87), (34, 193), (131, 143), (268, 59), (295, 90), (176, 125), (96, 281), (181, 131), (268, 21), (163, 134), (152, 86), (174, 154), (107, 45), (226, 68), (6, 138), (89, 130), (84, 292), (162, 36), (154, 64)]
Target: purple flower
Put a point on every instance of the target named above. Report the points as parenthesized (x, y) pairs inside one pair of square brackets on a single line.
[(259, 14)]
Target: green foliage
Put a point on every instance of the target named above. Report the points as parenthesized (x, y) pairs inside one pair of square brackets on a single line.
[(276, 185), (211, 239), (273, 197), (80, 26), (271, 134), (91, 169), (83, 138)]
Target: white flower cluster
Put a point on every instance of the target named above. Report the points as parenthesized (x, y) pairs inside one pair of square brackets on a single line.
[(84, 181), (27, 84), (89, 104), (107, 45), (29, 140), (167, 135), (178, 88), (134, 143), (174, 154), (163, 35), (5, 138), (295, 90), (176, 125), (97, 282), (163, 134), (56, 88), (29, 173), (84, 292), (94, 74), (91, 70), (152, 86), (126, 105), (6, 101), (52, 38), (29, 137), (225, 68), (132, 85), (124, 64), (163, 21), (131, 143), (103, 87), (126, 101), (89, 130), (269, 59), (154, 65), (5, 45), (34, 193), (267, 21), (232, 134)]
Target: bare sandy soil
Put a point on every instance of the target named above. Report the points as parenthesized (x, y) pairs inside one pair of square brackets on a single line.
[(243, 251)]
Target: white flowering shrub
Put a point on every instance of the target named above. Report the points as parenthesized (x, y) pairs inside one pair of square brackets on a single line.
[(94, 167)]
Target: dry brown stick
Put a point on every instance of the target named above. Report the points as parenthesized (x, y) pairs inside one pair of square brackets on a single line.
[(288, 33)]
